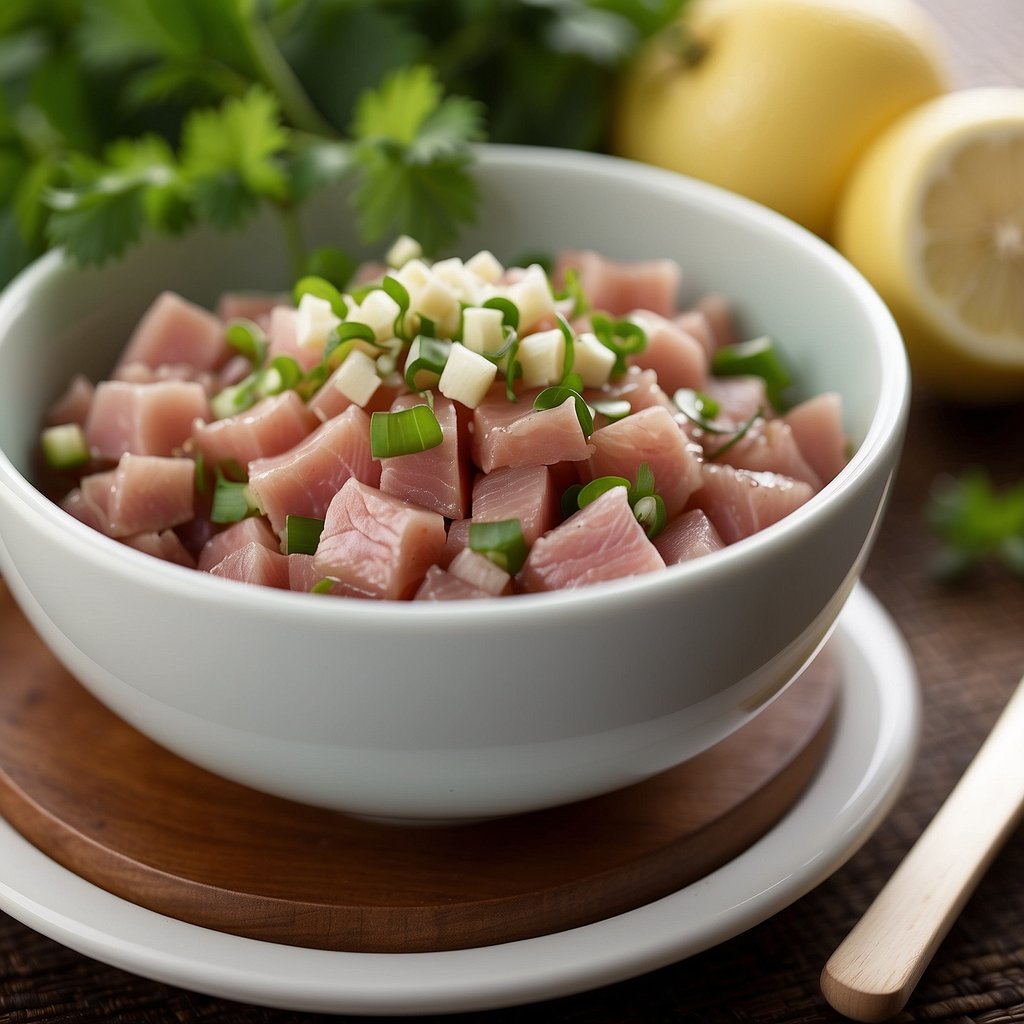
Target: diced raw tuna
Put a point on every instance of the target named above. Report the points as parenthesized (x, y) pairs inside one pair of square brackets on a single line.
[(165, 545), (817, 425), (85, 510), (618, 287), (254, 563), (144, 419), (302, 480), (481, 572), (688, 536), (738, 398), (174, 330), (72, 406), (651, 436), (740, 502), (140, 373), (441, 585), (438, 478), (526, 493), (678, 359), (254, 306), (769, 446), (458, 539), (378, 543), (603, 541), (237, 535), (282, 336), (638, 387), (150, 493), (329, 402), (303, 576), (696, 324), (515, 434), (271, 426), (719, 314)]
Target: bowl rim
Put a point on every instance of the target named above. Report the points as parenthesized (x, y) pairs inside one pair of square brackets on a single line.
[(883, 433)]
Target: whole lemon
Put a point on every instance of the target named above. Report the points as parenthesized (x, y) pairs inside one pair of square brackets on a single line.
[(776, 99), (933, 216)]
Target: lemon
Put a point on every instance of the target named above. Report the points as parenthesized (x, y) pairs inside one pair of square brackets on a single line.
[(776, 99), (933, 216)]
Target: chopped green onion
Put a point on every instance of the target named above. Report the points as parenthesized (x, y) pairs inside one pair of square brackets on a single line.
[(324, 586), (427, 356), (551, 398), (302, 534), (644, 486), (64, 446), (593, 490), (572, 288), (700, 409), (759, 358), (650, 514), (234, 399), (404, 432), (400, 294), (320, 288), (232, 501), (202, 484), (570, 500), (570, 353), (247, 338), (509, 310), (737, 436), (502, 542), (612, 409), (623, 337)]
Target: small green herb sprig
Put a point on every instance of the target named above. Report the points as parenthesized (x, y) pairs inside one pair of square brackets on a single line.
[(120, 117), (976, 522)]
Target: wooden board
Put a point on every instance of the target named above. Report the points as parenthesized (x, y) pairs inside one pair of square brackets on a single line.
[(122, 812)]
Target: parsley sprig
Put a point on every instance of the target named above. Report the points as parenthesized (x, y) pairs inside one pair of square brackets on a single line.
[(976, 522)]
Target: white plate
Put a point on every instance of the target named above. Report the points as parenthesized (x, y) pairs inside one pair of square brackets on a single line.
[(859, 780)]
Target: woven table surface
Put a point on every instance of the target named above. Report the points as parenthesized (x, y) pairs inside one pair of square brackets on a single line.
[(968, 644)]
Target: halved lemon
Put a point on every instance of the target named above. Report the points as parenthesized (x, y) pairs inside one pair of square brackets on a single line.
[(933, 216)]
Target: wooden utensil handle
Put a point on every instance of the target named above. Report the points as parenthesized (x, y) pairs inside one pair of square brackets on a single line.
[(872, 973)]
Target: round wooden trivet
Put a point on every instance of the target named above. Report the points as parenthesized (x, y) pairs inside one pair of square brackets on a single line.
[(127, 815)]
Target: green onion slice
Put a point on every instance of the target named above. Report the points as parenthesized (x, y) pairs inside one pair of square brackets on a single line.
[(321, 288), (553, 397), (400, 294), (737, 436), (247, 338), (612, 409), (570, 500), (502, 542), (428, 357), (64, 446), (572, 288), (570, 354), (404, 432), (593, 490), (232, 500), (509, 310), (323, 586), (302, 534), (759, 358), (623, 337), (700, 409), (650, 514)]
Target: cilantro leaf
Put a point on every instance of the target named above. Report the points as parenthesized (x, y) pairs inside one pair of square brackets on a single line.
[(231, 156), (399, 107), (975, 522)]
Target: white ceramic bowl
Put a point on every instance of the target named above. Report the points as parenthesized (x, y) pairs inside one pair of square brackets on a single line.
[(449, 711)]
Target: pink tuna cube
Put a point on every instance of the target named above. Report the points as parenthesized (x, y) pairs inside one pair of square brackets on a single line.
[(252, 529), (688, 536), (441, 585), (603, 541), (678, 359), (526, 493), (150, 493), (174, 330), (144, 419), (378, 543), (618, 287), (253, 563), (740, 502), (438, 478), (651, 436), (817, 425), (302, 480), (166, 545)]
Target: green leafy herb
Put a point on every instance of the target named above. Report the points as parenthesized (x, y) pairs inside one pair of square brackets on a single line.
[(404, 432), (974, 523), (502, 542)]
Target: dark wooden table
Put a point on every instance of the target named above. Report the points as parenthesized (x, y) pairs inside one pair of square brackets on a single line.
[(968, 643)]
